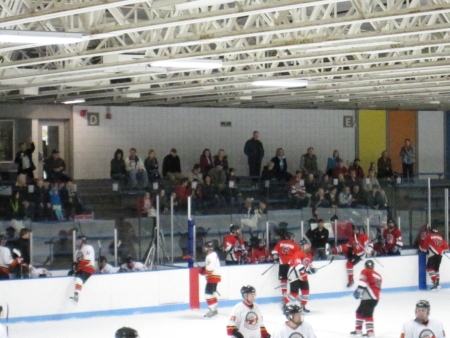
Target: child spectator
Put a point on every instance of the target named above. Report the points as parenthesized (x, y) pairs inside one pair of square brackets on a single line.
[(55, 201)]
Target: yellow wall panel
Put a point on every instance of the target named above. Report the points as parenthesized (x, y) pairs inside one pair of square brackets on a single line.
[(372, 136)]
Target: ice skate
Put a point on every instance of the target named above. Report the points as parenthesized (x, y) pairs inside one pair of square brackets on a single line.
[(357, 333), (369, 334), (305, 310), (211, 314), (435, 286), (75, 298)]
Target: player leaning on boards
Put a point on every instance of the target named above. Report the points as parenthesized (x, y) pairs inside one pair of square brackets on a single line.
[(369, 287), (435, 245), (422, 326), (84, 266), (295, 325), (211, 271), (246, 320)]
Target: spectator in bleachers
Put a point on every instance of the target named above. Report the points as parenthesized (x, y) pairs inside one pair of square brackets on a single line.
[(206, 161), (281, 166), (357, 168), (211, 194), (55, 201), (55, 167), (218, 175), (25, 204), (182, 192), (339, 169), (24, 159), (254, 151), (385, 166), (146, 206), (40, 198), (359, 199), (311, 185), (353, 179), (345, 198), (172, 166), (222, 158), (375, 199), (164, 201), (370, 180), (196, 174), (327, 183), (332, 197), (269, 173), (308, 163), (319, 200), (408, 155), (372, 167), (297, 191), (341, 183), (71, 201), (136, 169), (151, 166), (332, 162), (118, 169)]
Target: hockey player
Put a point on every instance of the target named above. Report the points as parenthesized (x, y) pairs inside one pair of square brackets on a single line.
[(84, 267), (300, 266), (131, 265), (283, 252), (295, 326), (246, 320), (104, 267), (355, 249), (6, 260), (211, 271), (392, 239), (233, 245), (369, 287), (423, 326), (259, 253), (436, 246)]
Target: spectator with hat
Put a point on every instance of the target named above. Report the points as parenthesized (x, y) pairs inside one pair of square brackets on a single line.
[(55, 167), (172, 166)]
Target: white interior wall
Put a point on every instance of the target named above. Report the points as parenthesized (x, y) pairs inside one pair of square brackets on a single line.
[(190, 130), (431, 141)]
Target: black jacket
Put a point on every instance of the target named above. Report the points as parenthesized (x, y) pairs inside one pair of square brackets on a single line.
[(254, 150), (318, 238), (28, 153), (118, 167), (281, 173), (171, 164)]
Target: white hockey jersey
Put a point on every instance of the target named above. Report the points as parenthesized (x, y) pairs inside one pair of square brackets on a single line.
[(5, 257), (138, 266), (248, 320), (413, 329), (108, 268), (303, 331), (86, 259)]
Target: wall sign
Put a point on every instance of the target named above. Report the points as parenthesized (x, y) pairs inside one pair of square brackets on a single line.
[(93, 119), (348, 122)]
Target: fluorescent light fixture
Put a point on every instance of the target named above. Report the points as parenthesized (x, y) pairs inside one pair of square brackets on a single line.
[(287, 83), (344, 100), (435, 102), (73, 101), (38, 37), (188, 63)]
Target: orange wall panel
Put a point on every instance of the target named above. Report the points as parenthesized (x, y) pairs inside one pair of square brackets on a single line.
[(401, 125)]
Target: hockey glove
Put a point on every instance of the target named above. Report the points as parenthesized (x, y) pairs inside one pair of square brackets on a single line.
[(276, 258), (202, 271), (310, 270), (237, 334), (358, 293)]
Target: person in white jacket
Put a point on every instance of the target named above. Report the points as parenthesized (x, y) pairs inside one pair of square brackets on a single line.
[(136, 169)]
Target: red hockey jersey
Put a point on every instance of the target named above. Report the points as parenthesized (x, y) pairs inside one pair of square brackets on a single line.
[(285, 249), (393, 238), (234, 247), (434, 243), (259, 256), (359, 243), (298, 265), (370, 280)]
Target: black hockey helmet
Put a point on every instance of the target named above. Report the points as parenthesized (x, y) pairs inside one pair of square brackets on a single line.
[(289, 235), (82, 238), (102, 259), (234, 228), (369, 264), (290, 310), (129, 260), (209, 245), (126, 332), (423, 304), (247, 289)]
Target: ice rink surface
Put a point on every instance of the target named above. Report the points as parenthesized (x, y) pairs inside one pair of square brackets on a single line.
[(330, 318)]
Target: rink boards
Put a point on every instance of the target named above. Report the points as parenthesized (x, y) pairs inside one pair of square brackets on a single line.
[(169, 290)]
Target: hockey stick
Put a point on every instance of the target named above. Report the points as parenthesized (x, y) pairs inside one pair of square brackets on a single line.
[(269, 268), (376, 260), (446, 255), (331, 261)]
